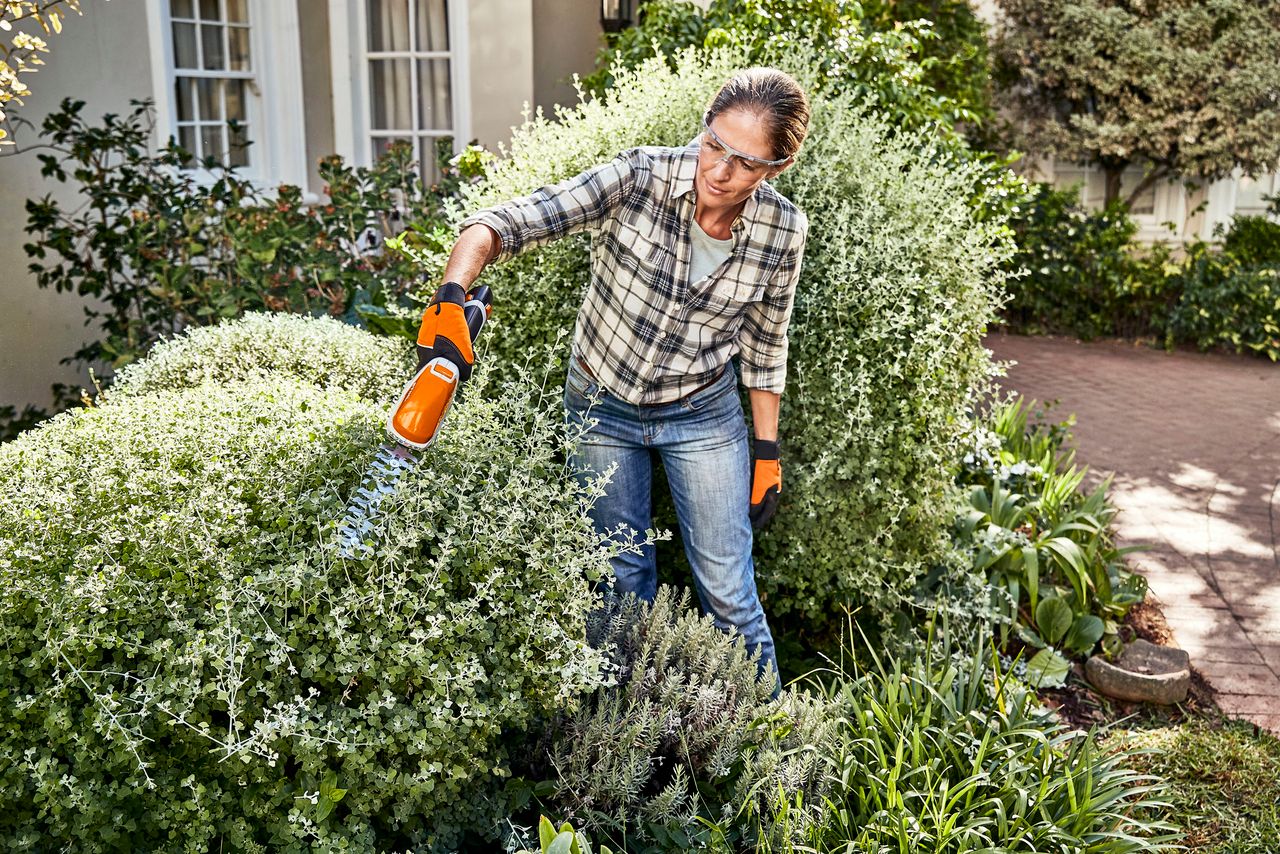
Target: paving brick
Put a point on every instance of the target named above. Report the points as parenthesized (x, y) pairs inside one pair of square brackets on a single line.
[(1271, 723), (1228, 678), (1230, 654), (1246, 704), (1270, 654)]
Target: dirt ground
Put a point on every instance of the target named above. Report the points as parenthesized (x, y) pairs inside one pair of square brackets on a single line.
[(1082, 707)]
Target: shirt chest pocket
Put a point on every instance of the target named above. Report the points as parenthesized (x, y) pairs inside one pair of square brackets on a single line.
[(642, 253)]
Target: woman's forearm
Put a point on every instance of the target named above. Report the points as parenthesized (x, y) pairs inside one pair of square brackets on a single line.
[(477, 245), (765, 406)]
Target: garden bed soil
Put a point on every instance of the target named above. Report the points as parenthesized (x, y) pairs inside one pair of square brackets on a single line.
[(1082, 707)]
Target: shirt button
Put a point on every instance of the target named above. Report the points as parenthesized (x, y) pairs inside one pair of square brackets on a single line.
[(662, 335), (679, 306)]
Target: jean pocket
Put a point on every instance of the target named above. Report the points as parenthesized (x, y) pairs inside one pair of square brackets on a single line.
[(725, 384), (578, 384)]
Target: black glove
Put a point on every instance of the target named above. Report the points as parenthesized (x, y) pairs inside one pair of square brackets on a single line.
[(766, 483)]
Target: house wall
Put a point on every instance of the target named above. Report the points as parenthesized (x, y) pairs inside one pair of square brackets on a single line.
[(317, 86), (100, 58), (566, 38), (500, 49)]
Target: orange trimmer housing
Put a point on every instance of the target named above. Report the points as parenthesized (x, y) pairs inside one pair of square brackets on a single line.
[(450, 325)]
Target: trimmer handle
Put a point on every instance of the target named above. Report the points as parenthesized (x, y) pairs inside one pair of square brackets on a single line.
[(476, 310)]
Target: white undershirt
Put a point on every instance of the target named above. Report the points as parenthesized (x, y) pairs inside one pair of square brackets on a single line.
[(708, 253)]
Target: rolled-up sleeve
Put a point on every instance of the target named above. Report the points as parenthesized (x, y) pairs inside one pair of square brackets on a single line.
[(762, 342), (560, 209)]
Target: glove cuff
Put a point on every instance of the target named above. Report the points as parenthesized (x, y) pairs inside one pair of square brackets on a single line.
[(766, 450), (450, 292)]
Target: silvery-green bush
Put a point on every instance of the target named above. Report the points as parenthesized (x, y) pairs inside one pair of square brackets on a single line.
[(185, 665), (683, 745), (321, 351), (901, 275)]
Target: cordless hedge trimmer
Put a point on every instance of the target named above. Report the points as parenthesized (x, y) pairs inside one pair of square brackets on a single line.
[(450, 325)]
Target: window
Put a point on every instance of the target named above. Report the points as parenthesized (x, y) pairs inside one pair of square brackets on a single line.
[(212, 75), (410, 77)]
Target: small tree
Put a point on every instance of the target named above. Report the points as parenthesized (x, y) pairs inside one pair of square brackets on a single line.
[(1186, 87), (21, 54)]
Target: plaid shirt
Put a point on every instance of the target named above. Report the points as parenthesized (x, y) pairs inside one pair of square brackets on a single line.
[(647, 333)]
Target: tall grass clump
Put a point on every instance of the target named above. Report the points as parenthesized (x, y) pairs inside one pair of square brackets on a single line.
[(950, 754), (185, 663), (901, 275)]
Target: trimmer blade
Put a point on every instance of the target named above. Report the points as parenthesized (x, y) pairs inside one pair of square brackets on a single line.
[(379, 481)]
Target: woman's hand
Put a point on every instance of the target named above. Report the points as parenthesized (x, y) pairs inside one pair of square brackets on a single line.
[(766, 483)]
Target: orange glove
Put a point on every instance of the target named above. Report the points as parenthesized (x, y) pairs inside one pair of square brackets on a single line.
[(766, 483), (444, 330)]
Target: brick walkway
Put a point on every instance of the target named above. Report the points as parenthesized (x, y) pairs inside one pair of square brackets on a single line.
[(1194, 442)]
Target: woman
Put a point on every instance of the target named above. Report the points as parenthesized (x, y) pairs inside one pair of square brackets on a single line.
[(695, 260)]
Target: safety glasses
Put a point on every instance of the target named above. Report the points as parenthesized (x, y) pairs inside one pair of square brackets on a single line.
[(734, 157)]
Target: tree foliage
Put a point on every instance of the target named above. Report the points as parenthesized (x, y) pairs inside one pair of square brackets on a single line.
[(1184, 87), (21, 55)]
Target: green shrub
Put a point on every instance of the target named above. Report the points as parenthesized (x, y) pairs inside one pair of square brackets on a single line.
[(944, 754), (682, 748), (900, 277), (158, 251), (918, 73), (1081, 273), (1226, 303), (186, 664), (320, 351), (1253, 241)]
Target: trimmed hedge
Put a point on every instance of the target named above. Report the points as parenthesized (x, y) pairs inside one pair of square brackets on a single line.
[(902, 274), (186, 665), (321, 351)]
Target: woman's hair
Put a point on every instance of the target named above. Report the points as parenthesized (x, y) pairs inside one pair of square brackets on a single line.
[(773, 95)]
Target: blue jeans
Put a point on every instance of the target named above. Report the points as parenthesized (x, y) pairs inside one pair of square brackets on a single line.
[(702, 441)]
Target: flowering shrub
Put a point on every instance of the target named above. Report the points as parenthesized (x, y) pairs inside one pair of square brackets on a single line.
[(901, 274), (186, 663)]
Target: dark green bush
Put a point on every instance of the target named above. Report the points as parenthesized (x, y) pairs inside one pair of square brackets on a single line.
[(1229, 303), (1081, 273), (1253, 241), (901, 276), (185, 663), (918, 70), (159, 251)]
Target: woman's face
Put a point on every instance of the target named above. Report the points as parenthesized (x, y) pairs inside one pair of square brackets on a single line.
[(727, 182)]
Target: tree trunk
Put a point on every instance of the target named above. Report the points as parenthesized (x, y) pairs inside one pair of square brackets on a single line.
[(1111, 191)]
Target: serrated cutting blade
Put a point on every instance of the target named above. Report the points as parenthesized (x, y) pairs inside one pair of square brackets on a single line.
[(356, 525)]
